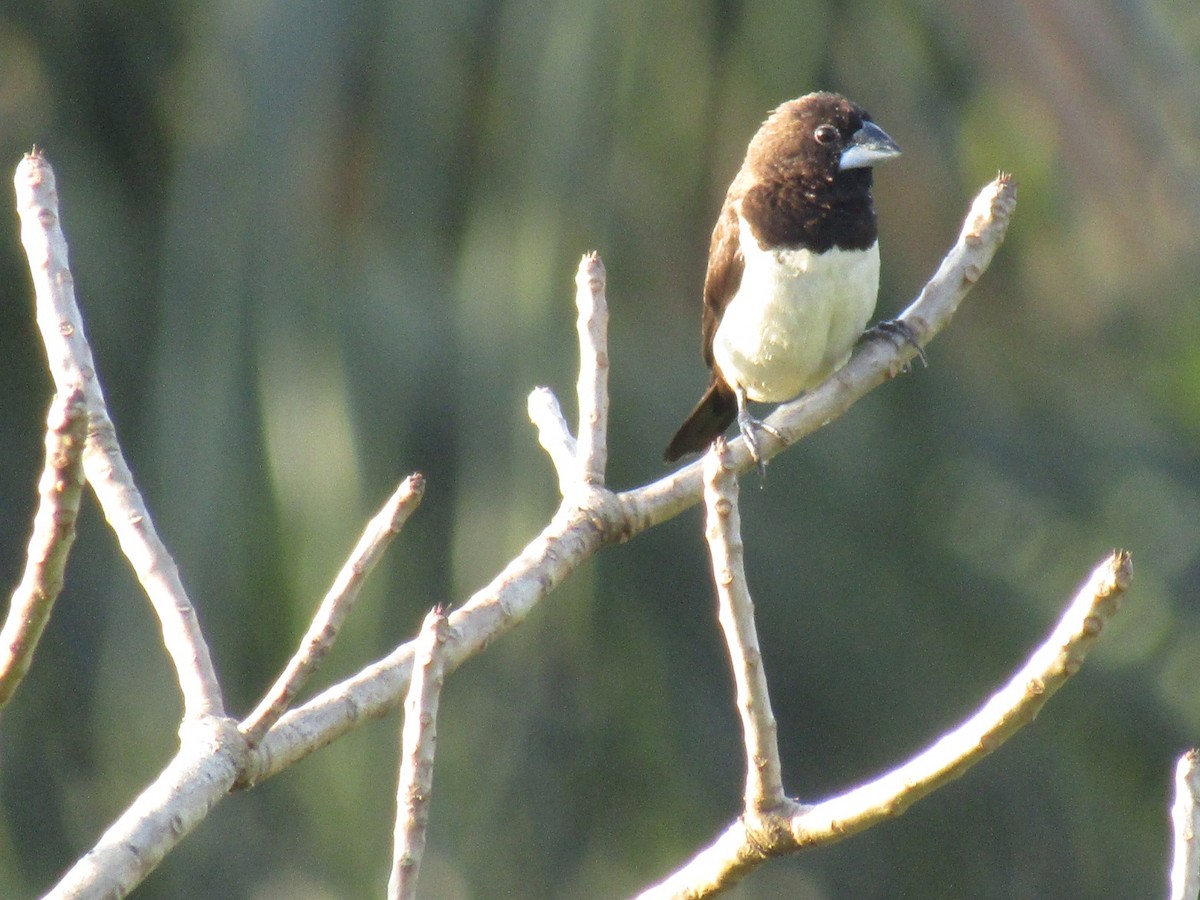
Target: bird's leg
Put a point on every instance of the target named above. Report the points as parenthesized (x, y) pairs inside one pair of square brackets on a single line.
[(749, 426), (899, 330)]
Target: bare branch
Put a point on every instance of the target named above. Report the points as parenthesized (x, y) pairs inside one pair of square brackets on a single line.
[(61, 488), (1007, 711), (336, 606), (735, 611), (1185, 821), (72, 368), (588, 519), (212, 756), (575, 534), (747, 842), (592, 325), (418, 743)]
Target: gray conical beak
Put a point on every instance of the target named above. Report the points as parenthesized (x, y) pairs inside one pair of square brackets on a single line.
[(869, 145)]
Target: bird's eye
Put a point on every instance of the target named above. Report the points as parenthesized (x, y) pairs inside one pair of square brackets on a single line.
[(825, 134)]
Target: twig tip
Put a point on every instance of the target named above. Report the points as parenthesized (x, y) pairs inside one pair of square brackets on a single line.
[(1122, 567)]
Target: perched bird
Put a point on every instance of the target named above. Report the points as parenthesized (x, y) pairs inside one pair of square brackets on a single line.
[(793, 268)]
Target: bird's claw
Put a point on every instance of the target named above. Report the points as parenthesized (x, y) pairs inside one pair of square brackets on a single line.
[(750, 427), (899, 330)]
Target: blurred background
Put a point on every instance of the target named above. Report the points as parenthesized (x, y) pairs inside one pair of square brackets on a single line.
[(321, 245)]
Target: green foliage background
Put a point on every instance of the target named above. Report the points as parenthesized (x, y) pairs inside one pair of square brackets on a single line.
[(320, 245)]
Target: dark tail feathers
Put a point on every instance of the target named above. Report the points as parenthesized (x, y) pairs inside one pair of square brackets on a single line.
[(713, 414)]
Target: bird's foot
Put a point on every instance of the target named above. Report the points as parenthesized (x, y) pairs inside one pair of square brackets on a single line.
[(900, 331), (752, 429)]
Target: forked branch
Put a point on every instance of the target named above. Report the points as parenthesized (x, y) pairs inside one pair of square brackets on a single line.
[(577, 532), (215, 755), (783, 827)]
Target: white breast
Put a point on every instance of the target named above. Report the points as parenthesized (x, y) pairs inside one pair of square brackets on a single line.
[(795, 317)]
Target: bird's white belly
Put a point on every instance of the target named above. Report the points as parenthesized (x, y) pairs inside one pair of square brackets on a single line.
[(795, 318)]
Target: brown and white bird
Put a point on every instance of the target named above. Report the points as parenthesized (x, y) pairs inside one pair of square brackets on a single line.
[(793, 268)]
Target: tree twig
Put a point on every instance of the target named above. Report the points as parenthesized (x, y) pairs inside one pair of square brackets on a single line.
[(60, 488), (580, 462), (335, 607), (554, 435), (1185, 823), (592, 386), (747, 842), (417, 746), (72, 368), (735, 612)]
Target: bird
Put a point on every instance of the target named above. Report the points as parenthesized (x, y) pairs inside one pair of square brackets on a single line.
[(793, 266)]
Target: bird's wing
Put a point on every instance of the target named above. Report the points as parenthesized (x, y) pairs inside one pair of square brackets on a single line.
[(724, 276)]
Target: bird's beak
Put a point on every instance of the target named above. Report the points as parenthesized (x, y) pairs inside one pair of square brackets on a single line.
[(869, 145)]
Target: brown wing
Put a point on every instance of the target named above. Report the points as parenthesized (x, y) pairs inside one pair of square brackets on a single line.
[(725, 267)]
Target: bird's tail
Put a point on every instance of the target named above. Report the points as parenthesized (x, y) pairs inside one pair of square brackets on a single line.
[(713, 414)]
